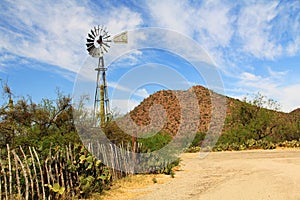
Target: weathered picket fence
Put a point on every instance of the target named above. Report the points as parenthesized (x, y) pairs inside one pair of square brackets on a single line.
[(67, 172), (63, 173)]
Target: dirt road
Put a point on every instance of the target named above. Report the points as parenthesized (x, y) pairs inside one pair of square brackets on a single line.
[(232, 175)]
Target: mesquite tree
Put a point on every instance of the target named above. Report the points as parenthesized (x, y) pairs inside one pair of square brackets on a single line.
[(27, 123)]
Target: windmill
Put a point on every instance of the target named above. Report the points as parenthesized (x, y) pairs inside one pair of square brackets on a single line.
[(98, 43)]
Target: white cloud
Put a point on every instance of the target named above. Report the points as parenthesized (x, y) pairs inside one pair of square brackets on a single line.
[(246, 76), (55, 33), (122, 18), (214, 23), (288, 26), (141, 93), (124, 105), (6, 58), (289, 97), (254, 29), (255, 84), (293, 47), (232, 32), (174, 15), (130, 59), (277, 74), (273, 85), (119, 87), (269, 29), (49, 33), (210, 21)]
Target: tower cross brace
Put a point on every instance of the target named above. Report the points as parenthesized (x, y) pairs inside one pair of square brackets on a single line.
[(102, 111)]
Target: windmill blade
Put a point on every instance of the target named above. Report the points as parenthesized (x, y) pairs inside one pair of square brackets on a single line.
[(89, 40), (104, 49), (91, 37), (121, 38), (96, 30), (105, 32), (106, 37), (89, 44), (100, 30), (90, 48), (106, 44), (93, 33)]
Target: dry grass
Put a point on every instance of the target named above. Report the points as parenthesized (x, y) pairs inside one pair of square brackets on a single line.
[(132, 186)]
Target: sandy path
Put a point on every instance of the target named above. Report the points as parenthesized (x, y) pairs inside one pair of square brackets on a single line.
[(232, 175)]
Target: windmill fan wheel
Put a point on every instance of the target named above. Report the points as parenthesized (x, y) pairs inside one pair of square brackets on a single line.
[(98, 42)]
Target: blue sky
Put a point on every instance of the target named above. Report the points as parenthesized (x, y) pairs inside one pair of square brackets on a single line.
[(255, 46)]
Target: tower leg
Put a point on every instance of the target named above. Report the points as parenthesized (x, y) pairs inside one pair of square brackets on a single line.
[(102, 110), (101, 104)]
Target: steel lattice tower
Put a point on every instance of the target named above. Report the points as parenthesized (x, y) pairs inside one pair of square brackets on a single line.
[(98, 43), (102, 111)]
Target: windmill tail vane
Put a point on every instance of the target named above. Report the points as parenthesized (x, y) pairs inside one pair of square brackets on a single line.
[(98, 42)]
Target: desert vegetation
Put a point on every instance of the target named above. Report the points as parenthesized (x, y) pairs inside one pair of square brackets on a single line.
[(42, 155), (255, 124), (252, 123)]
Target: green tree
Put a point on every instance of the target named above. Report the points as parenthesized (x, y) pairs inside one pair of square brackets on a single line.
[(23, 122), (256, 118)]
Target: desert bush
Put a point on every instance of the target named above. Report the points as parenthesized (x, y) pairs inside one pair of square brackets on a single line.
[(192, 149), (155, 142), (289, 144)]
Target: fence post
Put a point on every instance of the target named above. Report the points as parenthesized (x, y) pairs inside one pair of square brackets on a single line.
[(10, 173)]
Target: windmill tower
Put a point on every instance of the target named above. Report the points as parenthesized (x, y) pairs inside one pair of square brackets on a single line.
[(98, 43)]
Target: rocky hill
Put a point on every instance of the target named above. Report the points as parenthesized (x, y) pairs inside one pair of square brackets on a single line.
[(143, 115), (178, 113), (183, 110)]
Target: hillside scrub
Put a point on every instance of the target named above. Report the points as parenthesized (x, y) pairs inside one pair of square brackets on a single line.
[(256, 124)]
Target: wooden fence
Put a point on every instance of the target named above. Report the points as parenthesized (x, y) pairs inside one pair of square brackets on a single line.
[(65, 173), (24, 174)]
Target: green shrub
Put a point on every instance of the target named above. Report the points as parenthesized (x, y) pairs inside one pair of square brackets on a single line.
[(192, 149), (155, 142), (197, 141), (290, 144)]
